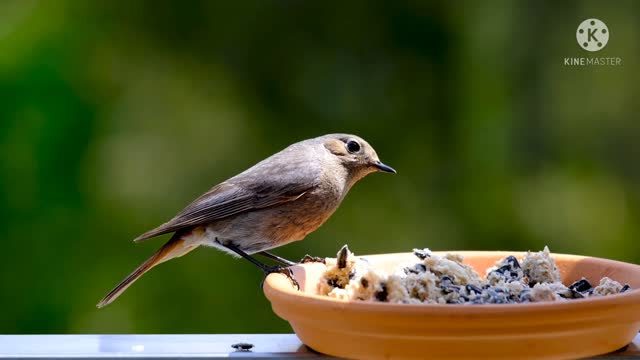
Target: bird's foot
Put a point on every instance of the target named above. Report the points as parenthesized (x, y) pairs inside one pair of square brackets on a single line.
[(312, 259), (281, 270), (277, 258)]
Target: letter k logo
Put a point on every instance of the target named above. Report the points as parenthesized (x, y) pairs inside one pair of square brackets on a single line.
[(592, 35)]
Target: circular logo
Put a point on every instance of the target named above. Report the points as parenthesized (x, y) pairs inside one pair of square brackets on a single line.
[(592, 35)]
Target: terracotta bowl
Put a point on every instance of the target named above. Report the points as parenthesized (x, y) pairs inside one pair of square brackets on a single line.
[(554, 330)]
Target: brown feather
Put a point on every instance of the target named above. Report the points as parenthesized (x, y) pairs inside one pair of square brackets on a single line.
[(175, 247), (228, 199)]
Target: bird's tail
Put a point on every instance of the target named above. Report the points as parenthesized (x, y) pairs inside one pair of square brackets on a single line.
[(175, 247)]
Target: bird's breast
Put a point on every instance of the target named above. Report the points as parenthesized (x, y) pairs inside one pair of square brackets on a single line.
[(268, 228), (263, 229), (295, 220)]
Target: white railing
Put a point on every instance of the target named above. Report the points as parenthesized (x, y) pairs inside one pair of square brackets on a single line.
[(254, 346)]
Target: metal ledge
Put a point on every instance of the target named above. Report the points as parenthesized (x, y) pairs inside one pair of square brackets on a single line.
[(265, 346)]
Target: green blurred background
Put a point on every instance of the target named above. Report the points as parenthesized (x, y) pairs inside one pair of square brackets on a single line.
[(115, 115)]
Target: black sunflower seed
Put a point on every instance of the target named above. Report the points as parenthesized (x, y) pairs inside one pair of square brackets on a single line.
[(472, 289), (571, 294), (242, 347), (504, 269), (511, 260), (342, 257), (416, 269), (581, 285)]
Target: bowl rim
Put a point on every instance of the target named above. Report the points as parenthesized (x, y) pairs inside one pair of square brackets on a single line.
[(278, 285)]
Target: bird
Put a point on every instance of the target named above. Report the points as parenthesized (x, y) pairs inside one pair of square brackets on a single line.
[(281, 199)]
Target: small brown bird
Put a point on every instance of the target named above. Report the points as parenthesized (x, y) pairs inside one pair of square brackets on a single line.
[(279, 200)]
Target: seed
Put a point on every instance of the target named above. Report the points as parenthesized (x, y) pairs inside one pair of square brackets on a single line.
[(588, 292), (342, 257), (242, 346), (571, 294), (581, 285), (416, 269), (382, 294), (451, 288), (447, 286), (445, 281), (576, 295), (472, 289), (511, 260)]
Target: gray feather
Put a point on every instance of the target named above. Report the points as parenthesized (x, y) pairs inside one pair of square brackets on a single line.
[(281, 178)]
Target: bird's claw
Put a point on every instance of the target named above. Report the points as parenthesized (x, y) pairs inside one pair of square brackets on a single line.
[(312, 259), (284, 271)]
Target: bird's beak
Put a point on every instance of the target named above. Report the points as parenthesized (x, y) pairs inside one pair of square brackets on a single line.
[(385, 168)]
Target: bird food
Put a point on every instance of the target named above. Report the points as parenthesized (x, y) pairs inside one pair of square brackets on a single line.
[(435, 279)]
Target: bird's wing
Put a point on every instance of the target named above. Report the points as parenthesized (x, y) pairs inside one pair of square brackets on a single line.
[(234, 197)]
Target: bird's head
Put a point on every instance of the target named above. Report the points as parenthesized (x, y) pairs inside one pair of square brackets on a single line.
[(355, 154)]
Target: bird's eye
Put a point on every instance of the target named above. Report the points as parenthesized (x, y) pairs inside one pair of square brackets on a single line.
[(353, 146)]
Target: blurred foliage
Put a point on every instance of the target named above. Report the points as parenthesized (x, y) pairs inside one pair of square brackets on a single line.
[(115, 115)]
